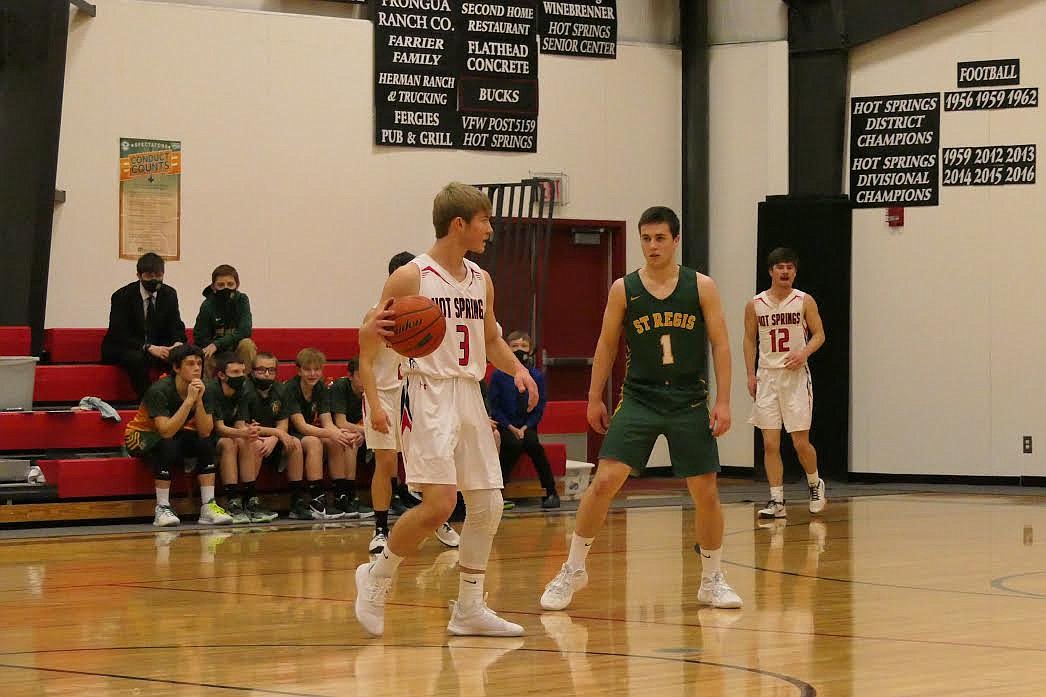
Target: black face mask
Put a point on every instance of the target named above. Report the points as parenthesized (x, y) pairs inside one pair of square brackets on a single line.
[(263, 383), (223, 296), (525, 358), (236, 383), (152, 285)]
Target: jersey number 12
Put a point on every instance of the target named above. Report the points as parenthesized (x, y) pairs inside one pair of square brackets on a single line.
[(779, 340)]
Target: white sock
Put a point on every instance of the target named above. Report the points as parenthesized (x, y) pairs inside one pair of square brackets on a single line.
[(206, 493), (812, 479), (470, 589), (777, 493), (386, 564), (579, 547), (163, 497), (710, 560)]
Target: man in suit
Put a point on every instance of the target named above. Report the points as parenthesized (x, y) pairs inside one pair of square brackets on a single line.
[(144, 324)]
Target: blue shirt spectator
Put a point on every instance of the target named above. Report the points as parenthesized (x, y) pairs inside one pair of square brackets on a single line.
[(517, 426), (508, 407)]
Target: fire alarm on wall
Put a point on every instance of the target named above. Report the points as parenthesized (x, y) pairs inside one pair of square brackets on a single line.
[(895, 217)]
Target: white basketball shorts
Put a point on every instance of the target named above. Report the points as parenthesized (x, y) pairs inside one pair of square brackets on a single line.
[(783, 396), (446, 435), (390, 402)]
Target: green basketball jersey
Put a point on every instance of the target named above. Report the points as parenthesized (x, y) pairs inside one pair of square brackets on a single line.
[(666, 343)]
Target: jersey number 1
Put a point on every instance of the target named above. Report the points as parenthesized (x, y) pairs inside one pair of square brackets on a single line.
[(666, 350)]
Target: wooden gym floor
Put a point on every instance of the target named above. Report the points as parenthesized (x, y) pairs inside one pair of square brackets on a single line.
[(912, 595)]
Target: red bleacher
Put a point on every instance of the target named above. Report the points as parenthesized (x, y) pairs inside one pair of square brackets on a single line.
[(74, 372), (15, 341), (67, 384), (63, 430), (85, 345), (69, 430), (128, 476)]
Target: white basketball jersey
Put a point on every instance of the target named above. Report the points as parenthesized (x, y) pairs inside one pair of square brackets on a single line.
[(782, 327), (463, 353), (388, 373)]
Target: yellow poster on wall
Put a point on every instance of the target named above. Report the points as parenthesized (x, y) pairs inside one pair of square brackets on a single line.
[(150, 197)]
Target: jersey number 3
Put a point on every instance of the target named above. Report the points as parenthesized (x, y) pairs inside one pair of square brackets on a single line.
[(464, 345), (779, 340), (666, 350)]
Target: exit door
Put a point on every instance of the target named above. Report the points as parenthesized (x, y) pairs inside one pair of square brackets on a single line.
[(585, 257)]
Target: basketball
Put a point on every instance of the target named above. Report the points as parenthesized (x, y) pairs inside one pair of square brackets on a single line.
[(419, 326)]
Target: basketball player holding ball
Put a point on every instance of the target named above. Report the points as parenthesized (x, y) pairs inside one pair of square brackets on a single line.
[(447, 441), (387, 367)]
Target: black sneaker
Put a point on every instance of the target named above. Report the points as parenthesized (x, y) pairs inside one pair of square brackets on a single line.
[(234, 507), (257, 512), (550, 501), (318, 510), (396, 507), (351, 508), (343, 507), (300, 510)]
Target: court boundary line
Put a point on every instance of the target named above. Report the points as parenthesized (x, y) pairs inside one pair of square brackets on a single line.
[(1000, 583), (805, 688), (185, 683)]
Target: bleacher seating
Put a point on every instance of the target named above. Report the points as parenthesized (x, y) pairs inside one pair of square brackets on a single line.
[(74, 371), (85, 345), (93, 471), (64, 430), (15, 341), (86, 477), (67, 384)]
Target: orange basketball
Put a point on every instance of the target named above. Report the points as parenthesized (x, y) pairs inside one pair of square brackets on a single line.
[(419, 326)]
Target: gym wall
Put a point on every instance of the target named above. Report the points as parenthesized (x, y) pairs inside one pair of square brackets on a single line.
[(281, 177), (947, 345)]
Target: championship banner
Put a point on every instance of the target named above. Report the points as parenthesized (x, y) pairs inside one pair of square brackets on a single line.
[(895, 145), (150, 198)]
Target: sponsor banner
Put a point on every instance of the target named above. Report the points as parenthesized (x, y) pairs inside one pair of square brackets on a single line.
[(579, 28)]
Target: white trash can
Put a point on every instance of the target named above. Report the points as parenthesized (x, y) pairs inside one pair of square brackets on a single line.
[(576, 479), (17, 376)]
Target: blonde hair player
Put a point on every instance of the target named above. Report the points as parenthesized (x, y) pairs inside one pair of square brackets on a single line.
[(788, 327), (446, 436)]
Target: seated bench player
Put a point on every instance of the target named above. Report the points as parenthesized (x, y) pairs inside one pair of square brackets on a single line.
[(266, 410), (308, 406), (175, 424), (236, 438)]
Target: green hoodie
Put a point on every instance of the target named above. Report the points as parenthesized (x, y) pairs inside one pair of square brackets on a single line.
[(223, 325)]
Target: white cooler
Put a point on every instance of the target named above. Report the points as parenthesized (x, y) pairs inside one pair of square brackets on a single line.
[(17, 376), (576, 479)]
